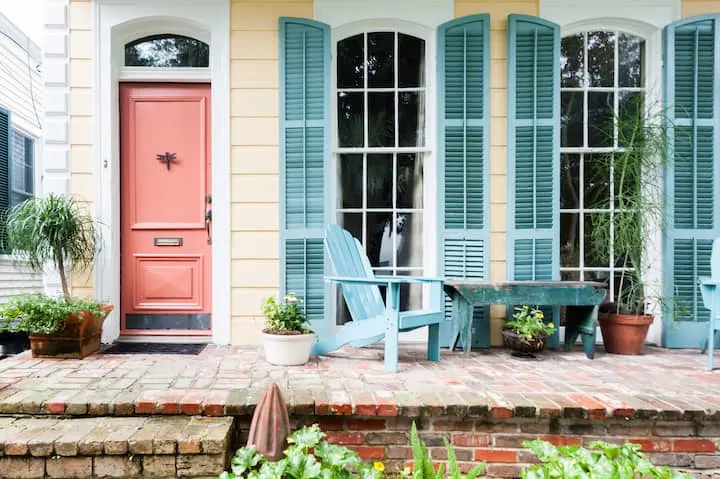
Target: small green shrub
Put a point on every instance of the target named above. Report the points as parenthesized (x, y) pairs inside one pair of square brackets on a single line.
[(286, 316), (308, 456), (40, 314), (599, 461)]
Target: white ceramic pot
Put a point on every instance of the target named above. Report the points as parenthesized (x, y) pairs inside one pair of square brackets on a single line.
[(287, 349)]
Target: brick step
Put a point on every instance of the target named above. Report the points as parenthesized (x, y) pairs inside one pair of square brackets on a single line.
[(113, 447)]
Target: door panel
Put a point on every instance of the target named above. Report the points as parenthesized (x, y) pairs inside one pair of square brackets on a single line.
[(165, 242)]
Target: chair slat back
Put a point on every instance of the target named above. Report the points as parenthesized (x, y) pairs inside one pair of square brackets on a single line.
[(349, 260)]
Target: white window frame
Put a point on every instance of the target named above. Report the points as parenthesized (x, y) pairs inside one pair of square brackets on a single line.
[(430, 202), (652, 34)]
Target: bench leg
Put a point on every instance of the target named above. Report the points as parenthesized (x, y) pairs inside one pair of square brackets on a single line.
[(433, 348), (392, 334)]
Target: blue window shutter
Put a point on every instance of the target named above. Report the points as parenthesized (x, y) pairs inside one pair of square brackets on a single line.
[(304, 151), (691, 78), (4, 174), (533, 147), (464, 92)]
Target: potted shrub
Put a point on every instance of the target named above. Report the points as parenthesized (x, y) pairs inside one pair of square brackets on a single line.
[(54, 230), (622, 235), (287, 339), (527, 331)]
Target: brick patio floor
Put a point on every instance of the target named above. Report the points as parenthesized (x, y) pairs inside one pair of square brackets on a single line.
[(229, 381)]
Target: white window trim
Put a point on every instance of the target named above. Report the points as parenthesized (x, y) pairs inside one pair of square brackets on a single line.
[(116, 23), (653, 94), (430, 173)]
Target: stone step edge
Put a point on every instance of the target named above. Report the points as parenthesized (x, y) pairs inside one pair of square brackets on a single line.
[(113, 436)]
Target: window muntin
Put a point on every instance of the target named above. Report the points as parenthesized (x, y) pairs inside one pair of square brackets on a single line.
[(381, 96), (602, 79), (22, 169), (167, 51)]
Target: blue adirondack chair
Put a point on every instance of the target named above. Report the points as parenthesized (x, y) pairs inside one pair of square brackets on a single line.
[(374, 319), (710, 288)]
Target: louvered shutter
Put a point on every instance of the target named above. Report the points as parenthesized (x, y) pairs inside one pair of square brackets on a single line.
[(304, 126), (691, 76), (464, 89), (533, 148), (4, 175)]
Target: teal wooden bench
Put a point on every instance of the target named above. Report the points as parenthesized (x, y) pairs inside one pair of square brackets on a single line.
[(373, 319), (710, 288), (582, 298)]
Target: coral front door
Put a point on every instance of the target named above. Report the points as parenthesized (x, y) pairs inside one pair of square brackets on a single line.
[(165, 209)]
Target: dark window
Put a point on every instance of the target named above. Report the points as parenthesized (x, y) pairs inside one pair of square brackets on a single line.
[(22, 170), (167, 51)]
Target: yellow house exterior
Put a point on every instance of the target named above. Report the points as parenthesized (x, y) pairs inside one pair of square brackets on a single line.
[(253, 80)]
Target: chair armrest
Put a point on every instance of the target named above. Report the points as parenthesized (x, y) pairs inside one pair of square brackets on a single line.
[(381, 280), (707, 281)]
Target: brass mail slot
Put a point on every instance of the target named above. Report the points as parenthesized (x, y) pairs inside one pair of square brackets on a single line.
[(168, 241)]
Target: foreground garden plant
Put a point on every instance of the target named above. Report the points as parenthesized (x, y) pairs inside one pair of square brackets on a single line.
[(309, 456)]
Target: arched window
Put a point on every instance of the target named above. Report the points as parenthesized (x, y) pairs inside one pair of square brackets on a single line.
[(602, 82), (167, 51), (380, 132)]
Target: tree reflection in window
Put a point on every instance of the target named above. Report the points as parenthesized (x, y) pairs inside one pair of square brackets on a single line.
[(167, 51)]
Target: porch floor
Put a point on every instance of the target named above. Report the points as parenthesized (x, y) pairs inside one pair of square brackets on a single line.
[(230, 380)]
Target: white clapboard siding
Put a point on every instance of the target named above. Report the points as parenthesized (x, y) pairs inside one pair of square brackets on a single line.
[(21, 93)]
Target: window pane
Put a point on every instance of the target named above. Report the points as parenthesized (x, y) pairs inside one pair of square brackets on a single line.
[(410, 294), (601, 58), (381, 60), (570, 275), (600, 119), (411, 113), (570, 181), (572, 60), (631, 55), (379, 249), (630, 106), (569, 240), (350, 66), (167, 51), (351, 181), (409, 181), (381, 119), (409, 246), (571, 132), (379, 181), (596, 249), (597, 181), (351, 128), (597, 276), (411, 61), (353, 222)]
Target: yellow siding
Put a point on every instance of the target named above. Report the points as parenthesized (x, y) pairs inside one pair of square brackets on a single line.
[(498, 10), (690, 8), (81, 128), (255, 138)]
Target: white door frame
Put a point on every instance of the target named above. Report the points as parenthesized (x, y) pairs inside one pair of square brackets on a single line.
[(116, 23)]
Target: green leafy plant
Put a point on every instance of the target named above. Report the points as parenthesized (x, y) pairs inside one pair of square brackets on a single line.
[(423, 467), (529, 323), (41, 314), (636, 168), (53, 229), (286, 316), (308, 456), (599, 461)]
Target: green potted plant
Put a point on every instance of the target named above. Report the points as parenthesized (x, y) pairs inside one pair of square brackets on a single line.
[(54, 230), (622, 235), (287, 338), (527, 331)]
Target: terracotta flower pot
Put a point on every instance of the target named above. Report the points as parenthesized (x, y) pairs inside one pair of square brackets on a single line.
[(79, 337), (624, 333)]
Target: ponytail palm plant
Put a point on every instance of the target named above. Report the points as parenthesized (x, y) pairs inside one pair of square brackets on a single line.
[(53, 230)]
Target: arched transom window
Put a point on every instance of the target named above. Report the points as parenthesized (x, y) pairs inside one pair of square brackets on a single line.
[(380, 138), (602, 80), (167, 51)]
